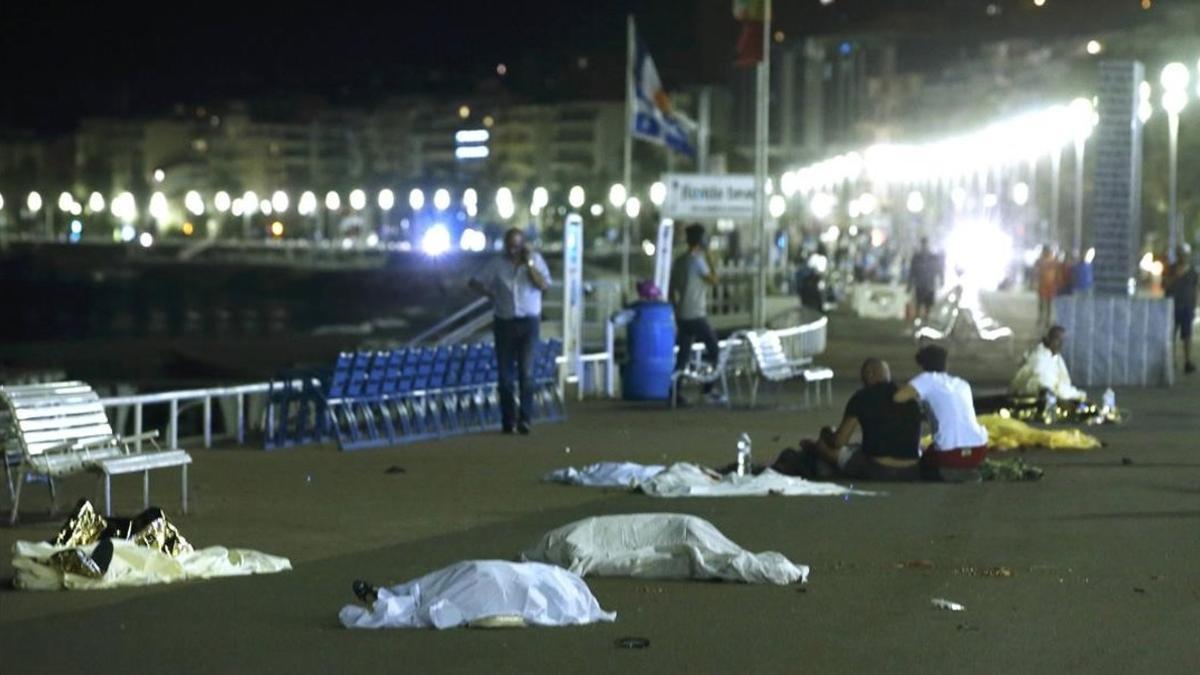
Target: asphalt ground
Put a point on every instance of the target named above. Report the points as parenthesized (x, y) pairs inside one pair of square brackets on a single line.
[(1101, 554)]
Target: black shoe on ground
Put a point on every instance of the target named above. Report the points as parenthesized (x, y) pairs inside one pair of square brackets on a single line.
[(524, 429), (364, 591)]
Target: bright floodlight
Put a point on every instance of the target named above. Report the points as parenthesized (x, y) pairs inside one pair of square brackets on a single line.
[(471, 136), (76, 209), (158, 206), (279, 201), (386, 199), (307, 204), (333, 202), (541, 197), (416, 199), (1090, 255), (915, 203), (358, 199), (1020, 194), (1094, 47), (441, 199), (159, 175), (982, 251), (658, 193), (146, 239), (436, 240), (505, 207), (576, 197), (95, 202), (1, 201), (34, 202), (597, 210), (1174, 77), (958, 196), (125, 207), (128, 233), (633, 207), (472, 240), (1083, 118), (789, 183), (236, 207), (648, 247), (249, 202), (222, 201), (868, 203), (617, 195), (470, 198), (1039, 3), (265, 207), (777, 206), (822, 204), (194, 203), (65, 200)]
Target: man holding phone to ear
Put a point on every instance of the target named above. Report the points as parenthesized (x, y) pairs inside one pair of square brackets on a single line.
[(515, 282)]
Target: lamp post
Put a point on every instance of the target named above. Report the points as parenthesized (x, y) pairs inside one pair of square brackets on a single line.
[(1082, 120), (1174, 80)]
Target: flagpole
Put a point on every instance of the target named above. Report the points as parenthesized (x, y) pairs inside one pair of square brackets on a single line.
[(627, 176), (761, 147)]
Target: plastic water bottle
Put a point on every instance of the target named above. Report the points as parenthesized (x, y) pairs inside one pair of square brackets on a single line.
[(743, 454), (1051, 407), (1109, 401)]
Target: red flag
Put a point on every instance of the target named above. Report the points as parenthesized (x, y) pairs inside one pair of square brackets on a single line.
[(752, 14)]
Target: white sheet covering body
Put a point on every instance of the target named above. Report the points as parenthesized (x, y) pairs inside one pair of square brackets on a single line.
[(659, 546), (476, 590), (134, 565), (690, 480), (605, 474)]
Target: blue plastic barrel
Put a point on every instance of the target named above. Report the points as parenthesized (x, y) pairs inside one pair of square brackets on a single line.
[(646, 376)]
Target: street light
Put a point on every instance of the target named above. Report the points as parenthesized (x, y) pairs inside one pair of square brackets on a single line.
[(358, 199), (915, 203), (633, 207), (279, 201), (505, 207), (65, 202), (576, 197), (33, 202), (777, 206), (541, 197), (158, 207), (1174, 79), (1145, 107), (307, 204), (96, 202), (222, 201), (617, 195), (194, 203), (386, 199), (658, 193), (441, 199), (470, 201)]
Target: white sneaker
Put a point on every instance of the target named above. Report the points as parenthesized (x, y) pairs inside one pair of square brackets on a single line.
[(716, 398)]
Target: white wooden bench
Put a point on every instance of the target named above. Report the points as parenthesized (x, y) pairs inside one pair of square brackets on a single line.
[(60, 429), (773, 365)]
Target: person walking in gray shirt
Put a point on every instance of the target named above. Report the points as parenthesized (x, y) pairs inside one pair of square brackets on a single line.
[(515, 282), (693, 275)]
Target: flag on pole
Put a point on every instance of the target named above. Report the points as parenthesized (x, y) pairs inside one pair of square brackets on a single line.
[(752, 14), (654, 118)]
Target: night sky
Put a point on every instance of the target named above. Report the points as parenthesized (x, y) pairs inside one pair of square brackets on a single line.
[(61, 61)]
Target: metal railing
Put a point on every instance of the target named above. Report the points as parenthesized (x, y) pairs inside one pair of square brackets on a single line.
[(201, 397)]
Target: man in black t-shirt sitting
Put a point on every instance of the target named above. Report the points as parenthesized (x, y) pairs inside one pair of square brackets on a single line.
[(891, 436)]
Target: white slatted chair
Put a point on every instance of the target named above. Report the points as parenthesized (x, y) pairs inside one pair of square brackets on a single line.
[(61, 429), (704, 373), (772, 364)]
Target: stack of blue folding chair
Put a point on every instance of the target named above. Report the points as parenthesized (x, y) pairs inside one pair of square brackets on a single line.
[(373, 399)]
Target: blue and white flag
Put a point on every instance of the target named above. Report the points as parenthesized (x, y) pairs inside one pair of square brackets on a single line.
[(654, 119)]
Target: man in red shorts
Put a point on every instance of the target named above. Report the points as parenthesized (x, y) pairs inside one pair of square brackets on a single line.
[(959, 441)]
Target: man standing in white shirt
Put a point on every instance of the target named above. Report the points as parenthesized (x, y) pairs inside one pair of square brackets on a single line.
[(515, 282), (693, 274), (959, 441)]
